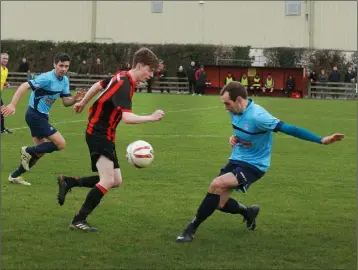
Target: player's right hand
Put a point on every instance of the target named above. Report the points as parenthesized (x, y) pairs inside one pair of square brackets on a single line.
[(78, 107), (7, 110), (158, 115), (232, 140)]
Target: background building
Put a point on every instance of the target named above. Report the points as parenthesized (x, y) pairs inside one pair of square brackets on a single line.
[(260, 24)]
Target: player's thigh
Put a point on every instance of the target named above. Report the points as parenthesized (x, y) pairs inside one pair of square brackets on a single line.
[(117, 178), (57, 139), (105, 168), (223, 182), (224, 197)]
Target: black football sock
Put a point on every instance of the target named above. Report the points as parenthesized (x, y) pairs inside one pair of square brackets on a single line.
[(88, 181), (234, 207), (206, 209), (93, 199)]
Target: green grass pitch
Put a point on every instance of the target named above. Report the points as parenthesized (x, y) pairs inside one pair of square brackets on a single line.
[(307, 198)]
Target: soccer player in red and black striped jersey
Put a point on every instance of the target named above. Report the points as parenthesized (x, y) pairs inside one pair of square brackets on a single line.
[(113, 105)]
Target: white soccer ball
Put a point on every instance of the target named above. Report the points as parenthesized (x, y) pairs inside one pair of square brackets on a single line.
[(140, 154)]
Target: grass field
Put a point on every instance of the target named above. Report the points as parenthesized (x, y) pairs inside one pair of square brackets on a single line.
[(307, 198)]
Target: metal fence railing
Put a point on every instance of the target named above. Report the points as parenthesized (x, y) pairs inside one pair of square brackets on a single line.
[(78, 81), (332, 90)]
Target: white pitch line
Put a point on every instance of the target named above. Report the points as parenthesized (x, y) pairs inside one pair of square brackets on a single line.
[(56, 123), (278, 136), (85, 120)]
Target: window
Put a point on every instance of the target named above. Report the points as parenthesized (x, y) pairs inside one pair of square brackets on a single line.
[(293, 8), (157, 7)]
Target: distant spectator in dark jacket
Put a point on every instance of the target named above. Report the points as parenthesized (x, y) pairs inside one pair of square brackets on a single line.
[(323, 78), (290, 86), (312, 80), (181, 75), (350, 77), (98, 67), (83, 68), (336, 78), (191, 76), (24, 66)]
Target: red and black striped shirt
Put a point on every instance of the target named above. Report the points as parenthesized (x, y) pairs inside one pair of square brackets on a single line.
[(106, 112)]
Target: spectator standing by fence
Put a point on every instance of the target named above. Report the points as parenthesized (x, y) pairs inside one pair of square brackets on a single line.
[(313, 81), (191, 77), (83, 68), (24, 66), (323, 78), (181, 75), (335, 77), (98, 67), (200, 77)]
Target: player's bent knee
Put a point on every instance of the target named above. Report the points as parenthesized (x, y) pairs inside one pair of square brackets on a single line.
[(61, 144), (216, 186), (221, 205)]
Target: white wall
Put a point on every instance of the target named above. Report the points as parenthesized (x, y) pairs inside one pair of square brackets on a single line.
[(46, 20), (256, 23), (335, 24)]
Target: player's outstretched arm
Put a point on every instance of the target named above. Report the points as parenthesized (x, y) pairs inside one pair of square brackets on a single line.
[(10, 109), (69, 101), (94, 90), (131, 118), (307, 135)]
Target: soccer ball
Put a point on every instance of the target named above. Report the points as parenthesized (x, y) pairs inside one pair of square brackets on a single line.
[(140, 154)]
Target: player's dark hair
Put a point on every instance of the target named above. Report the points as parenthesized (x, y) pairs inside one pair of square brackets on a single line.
[(235, 89), (145, 57), (61, 57)]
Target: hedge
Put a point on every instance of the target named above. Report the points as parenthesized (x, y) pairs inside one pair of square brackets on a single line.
[(40, 53)]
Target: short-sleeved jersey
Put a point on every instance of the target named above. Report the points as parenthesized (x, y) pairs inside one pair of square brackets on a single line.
[(4, 73), (106, 112), (106, 81), (46, 88), (253, 129)]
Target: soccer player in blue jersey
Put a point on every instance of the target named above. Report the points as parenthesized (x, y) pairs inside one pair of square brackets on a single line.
[(46, 88), (253, 127)]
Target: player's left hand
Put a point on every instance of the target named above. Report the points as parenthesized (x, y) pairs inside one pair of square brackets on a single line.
[(333, 138), (158, 115), (232, 140), (80, 95), (7, 110)]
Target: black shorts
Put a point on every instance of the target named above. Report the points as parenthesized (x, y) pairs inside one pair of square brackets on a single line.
[(244, 172), (99, 146)]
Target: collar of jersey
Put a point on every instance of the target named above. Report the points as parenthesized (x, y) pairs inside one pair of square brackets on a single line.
[(54, 74), (249, 106), (133, 83)]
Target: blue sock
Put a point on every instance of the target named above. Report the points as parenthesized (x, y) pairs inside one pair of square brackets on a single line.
[(46, 147), (20, 170)]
